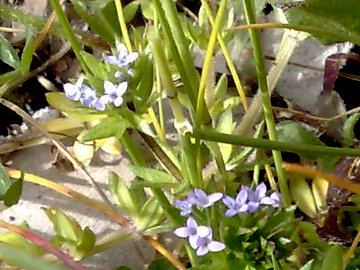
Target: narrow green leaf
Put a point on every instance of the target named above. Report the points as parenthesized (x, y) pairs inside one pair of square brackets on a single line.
[(152, 175), (97, 68), (226, 125), (28, 52), (348, 130), (86, 243), (122, 195), (130, 10), (302, 195), (108, 127), (10, 76), (151, 215), (333, 258), (7, 53), (95, 19), (5, 181), (22, 259), (13, 194), (144, 76), (69, 33), (60, 102), (64, 226)]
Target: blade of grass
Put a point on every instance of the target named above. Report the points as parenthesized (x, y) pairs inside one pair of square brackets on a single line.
[(69, 34), (265, 98), (272, 145)]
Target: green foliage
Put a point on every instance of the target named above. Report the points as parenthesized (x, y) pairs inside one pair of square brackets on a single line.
[(348, 130), (22, 259), (28, 51), (334, 17), (5, 181), (8, 54), (161, 264), (108, 127), (123, 196), (70, 235)]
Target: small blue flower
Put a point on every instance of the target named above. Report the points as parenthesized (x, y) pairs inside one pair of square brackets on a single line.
[(258, 197), (193, 231), (204, 244), (200, 237), (200, 198), (185, 206), (237, 205), (123, 58), (72, 91), (87, 96), (114, 93)]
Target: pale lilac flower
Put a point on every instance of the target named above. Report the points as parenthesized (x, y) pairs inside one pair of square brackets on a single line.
[(87, 96), (72, 91), (237, 205), (258, 197), (122, 58), (203, 200), (185, 206), (205, 244), (114, 93), (193, 231), (98, 104)]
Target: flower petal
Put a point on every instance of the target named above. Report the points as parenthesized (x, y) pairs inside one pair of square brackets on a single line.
[(261, 190), (203, 231), (201, 251), (111, 59), (215, 246), (228, 201), (193, 241), (230, 213), (132, 57), (109, 87), (121, 88), (253, 206), (182, 232), (118, 101), (191, 223), (72, 91), (215, 197), (267, 201), (98, 105), (242, 196)]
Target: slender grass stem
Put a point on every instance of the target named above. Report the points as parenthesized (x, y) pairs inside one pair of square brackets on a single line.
[(227, 56), (265, 97), (208, 62), (122, 23), (273, 145), (310, 29), (69, 34)]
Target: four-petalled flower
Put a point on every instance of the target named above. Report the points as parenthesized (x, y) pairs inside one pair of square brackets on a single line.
[(200, 198)]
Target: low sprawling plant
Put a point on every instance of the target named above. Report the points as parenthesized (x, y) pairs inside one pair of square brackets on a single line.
[(220, 187)]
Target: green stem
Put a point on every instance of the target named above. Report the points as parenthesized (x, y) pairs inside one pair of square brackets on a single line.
[(210, 135), (138, 160), (309, 29), (121, 18), (69, 34), (207, 62), (227, 57), (268, 114)]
